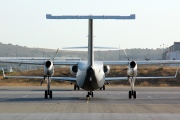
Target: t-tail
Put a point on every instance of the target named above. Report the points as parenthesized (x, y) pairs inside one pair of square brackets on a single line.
[(90, 27)]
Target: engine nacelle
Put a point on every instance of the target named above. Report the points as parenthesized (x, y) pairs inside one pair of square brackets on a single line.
[(73, 70), (132, 64), (106, 69)]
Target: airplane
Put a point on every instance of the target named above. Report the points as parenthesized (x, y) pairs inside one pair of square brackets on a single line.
[(90, 75)]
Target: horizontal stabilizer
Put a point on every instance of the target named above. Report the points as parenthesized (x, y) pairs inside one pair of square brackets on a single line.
[(49, 16), (83, 47)]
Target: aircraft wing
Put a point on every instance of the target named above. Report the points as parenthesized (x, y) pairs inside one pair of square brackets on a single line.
[(71, 79), (150, 62), (35, 62), (38, 62), (126, 78)]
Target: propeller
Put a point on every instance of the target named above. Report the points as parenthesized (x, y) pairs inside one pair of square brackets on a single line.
[(127, 58), (48, 64)]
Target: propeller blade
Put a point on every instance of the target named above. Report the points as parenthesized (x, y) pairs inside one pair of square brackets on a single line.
[(126, 55), (55, 53)]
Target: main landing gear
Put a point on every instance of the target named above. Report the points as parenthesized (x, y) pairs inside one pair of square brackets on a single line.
[(132, 93), (103, 87), (76, 87), (48, 92), (89, 94)]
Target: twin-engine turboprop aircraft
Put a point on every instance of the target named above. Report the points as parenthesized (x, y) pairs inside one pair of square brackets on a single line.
[(90, 75)]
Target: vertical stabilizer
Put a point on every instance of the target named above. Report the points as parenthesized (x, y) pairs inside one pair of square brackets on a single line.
[(90, 43)]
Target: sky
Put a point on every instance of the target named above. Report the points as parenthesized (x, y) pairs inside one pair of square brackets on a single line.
[(24, 23)]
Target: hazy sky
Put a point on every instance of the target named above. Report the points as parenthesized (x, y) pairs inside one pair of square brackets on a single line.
[(23, 22)]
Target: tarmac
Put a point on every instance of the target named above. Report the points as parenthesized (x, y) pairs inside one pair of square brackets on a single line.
[(28, 103)]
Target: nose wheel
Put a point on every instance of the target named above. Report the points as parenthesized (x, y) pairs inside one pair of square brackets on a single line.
[(103, 87), (76, 87), (89, 94)]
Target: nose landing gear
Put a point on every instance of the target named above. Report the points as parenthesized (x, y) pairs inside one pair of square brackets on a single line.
[(89, 94)]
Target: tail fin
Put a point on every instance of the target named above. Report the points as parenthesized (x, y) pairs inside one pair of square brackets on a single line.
[(90, 44)]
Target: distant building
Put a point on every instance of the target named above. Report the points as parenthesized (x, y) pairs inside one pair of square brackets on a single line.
[(175, 47), (172, 53)]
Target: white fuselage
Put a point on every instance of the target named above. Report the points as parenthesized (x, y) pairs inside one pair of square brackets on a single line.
[(90, 79)]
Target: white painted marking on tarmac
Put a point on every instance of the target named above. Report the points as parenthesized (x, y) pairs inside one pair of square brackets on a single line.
[(149, 97), (88, 100), (50, 111)]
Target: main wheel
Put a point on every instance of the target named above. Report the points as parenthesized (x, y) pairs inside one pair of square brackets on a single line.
[(103, 87), (92, 94), (45, 94), (74, 86), (130, 95), (134, 95), (50, 96)]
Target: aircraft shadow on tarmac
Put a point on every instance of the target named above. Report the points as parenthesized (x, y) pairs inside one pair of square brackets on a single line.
[(91, 100), (34, 90), (19, 100), (53, 90)]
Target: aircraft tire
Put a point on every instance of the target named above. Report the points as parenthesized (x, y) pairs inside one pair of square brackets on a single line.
[(134, 95), (104, 87), (74, 86), (45, 94), (50, 95), (92, 94), (130, 95)]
